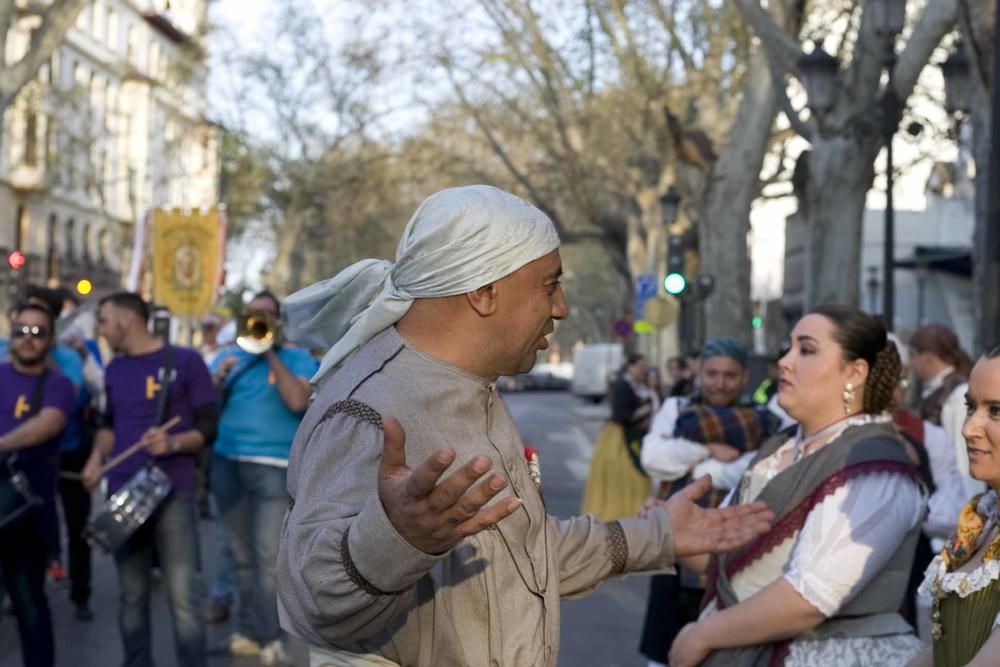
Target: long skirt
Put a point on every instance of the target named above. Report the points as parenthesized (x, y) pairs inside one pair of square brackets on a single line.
[(615, 487)]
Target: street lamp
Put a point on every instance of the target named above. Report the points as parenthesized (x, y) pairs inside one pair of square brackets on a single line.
[(818, 72), (670, 203), (957, 81), (888, 17)]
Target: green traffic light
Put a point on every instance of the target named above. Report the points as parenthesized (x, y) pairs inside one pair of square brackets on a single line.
[(757, 321), (674, 283)]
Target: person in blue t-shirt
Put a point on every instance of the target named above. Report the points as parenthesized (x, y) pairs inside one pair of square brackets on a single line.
[(263, 399), (35, 404)]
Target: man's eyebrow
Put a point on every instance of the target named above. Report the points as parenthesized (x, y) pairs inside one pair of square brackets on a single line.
[(556, 275), (803, 338)]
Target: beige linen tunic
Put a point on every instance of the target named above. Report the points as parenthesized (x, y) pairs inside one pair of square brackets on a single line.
[(352, 587)]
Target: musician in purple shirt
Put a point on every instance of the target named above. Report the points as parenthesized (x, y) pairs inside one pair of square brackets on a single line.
[(35, 403), (134, 382)]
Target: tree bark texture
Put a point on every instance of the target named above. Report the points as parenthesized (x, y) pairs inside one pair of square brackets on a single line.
[(841, 164)]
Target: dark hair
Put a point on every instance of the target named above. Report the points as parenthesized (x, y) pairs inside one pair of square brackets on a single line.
[(67, 294), (942, 342), (36, 307), (50, 297), (993, 353), (862, 336), (268, 294), (633, 359), (680, 361), (128, 301)]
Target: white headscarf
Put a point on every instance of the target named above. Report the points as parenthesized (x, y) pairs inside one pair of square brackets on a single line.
[(458, 240)]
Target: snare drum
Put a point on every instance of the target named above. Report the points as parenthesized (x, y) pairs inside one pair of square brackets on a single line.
[(128, 509), (16, 496)]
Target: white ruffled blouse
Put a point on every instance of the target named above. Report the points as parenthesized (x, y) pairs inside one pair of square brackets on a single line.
[(965, 583)]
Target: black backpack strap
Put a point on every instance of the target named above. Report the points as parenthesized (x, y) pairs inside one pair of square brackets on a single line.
[(168, 378), (38, 393)]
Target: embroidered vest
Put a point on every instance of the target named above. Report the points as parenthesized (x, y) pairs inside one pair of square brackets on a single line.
[(930, 407), (792, 494)]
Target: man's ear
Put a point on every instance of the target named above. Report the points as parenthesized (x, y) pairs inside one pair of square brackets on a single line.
[(483, 300)]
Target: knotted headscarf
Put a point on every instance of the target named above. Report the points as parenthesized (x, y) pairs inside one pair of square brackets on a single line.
[(457, 241)]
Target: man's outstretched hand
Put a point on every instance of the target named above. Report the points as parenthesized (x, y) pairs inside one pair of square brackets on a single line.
[(434, 516), (697, 530)]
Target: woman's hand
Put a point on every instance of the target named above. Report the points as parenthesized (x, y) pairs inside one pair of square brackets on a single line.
[(689, 649)]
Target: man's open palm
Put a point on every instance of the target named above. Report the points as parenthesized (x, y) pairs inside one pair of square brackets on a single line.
[(434, 516), (697, 530)]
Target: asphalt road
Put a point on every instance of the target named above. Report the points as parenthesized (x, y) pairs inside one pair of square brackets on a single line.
[(601, 629)]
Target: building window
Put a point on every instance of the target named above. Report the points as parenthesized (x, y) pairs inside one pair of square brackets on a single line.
[(51, 257), (113, 30), (100, 18), (85, 244), (68, 240), (30, 138)]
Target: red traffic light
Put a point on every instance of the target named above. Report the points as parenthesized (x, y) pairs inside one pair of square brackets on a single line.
[(16, 260)]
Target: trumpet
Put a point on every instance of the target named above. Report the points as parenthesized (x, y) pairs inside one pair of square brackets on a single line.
[(257, 332)]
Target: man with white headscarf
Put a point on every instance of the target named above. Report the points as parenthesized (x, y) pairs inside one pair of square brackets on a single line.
[(403, 548)]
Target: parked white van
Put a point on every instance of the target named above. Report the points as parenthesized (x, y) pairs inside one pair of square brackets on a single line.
[(594, 368)]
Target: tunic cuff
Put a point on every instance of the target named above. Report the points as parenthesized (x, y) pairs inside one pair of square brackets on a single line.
[(650, 543), (378, 558)]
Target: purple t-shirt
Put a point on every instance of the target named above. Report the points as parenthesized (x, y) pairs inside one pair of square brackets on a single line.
[(41, 462), (133, 389)]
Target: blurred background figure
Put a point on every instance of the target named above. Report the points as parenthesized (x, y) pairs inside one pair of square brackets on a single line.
[(942, 367), (617, 486)]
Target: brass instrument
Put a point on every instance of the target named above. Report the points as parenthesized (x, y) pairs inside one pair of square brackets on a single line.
[(257, 332)]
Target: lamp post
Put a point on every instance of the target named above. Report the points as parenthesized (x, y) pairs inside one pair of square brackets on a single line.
[(670, 203), (957, 76), (889, 18)]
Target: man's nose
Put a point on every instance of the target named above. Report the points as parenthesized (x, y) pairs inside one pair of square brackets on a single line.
[(560, 309)]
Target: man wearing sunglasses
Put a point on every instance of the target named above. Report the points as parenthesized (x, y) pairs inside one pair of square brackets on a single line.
[(35, 402)]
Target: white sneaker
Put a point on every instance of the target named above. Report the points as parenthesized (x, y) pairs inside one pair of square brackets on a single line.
[(242, 645), (274, 655)]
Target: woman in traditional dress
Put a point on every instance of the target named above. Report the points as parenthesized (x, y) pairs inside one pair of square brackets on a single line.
[(617, 486), (824, 585), (964, 580)]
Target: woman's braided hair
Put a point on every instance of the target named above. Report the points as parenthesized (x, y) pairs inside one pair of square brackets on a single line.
[(862, 336)]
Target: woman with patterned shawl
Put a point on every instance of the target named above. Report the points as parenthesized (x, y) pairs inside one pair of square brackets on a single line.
[(824, 585), (617, 486), (964, 580)]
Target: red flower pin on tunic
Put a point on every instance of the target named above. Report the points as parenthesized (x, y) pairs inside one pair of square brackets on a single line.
[(534, 466)]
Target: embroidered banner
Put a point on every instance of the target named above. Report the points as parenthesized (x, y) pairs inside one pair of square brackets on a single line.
[(187, 259)]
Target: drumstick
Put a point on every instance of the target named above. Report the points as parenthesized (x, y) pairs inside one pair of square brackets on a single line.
[(137, 446), (121, 457)]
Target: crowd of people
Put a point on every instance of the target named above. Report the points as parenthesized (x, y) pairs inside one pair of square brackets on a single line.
[(855, 534), (381, 506), (74, 416)]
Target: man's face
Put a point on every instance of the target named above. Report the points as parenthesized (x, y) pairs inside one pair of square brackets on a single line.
[(263, 305), (31, 338), (722, 380), (529, 302), (111, 326)]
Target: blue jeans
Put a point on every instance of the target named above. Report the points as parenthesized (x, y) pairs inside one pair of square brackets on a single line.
[(173, 531), (24, 556), (252, 500)]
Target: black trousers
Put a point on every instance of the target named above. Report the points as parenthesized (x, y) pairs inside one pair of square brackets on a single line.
[(76, 509), (24, 556), (670, 607)]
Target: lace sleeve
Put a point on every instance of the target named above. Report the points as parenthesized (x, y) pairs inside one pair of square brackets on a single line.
[(849, 536)]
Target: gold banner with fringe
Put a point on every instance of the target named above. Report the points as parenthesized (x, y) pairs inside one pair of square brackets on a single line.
[(187, 259)]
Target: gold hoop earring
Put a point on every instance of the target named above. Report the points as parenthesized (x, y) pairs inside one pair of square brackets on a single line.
[(848, 397)]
